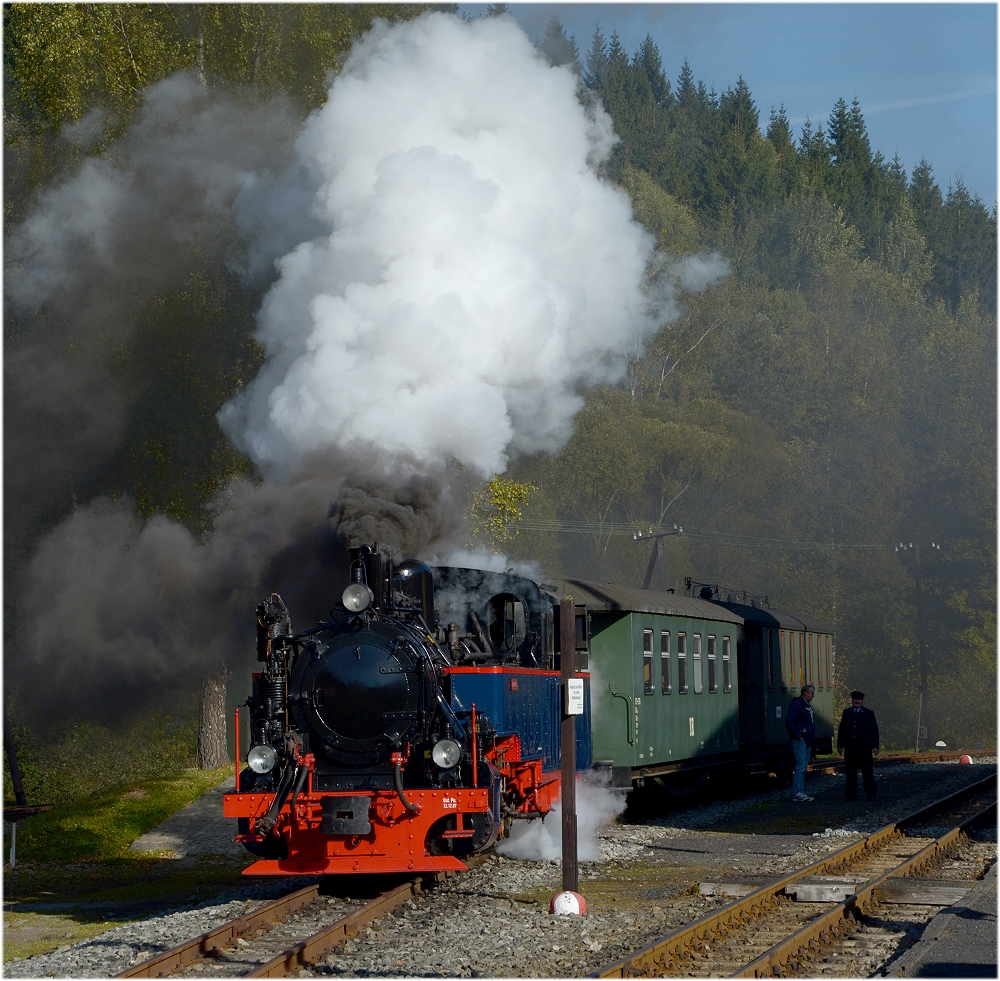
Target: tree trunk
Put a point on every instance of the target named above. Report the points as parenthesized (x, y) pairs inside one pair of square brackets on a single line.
[(213, 750)]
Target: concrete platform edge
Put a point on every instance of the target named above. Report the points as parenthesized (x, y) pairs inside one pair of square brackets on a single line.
[(923, 952)]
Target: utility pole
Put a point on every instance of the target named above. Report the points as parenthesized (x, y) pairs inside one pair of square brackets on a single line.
[(656, 559), (922, 704)]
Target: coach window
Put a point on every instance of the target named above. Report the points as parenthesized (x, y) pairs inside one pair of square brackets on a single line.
[(783, 657), (829, 673), (665, 662), (682, 664), (727, 667), (800, 646), (696, 663), (770, 657), (812, 679), (713, 677), (648, 688)]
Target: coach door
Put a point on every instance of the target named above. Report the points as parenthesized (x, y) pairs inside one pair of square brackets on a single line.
[(749, 655)]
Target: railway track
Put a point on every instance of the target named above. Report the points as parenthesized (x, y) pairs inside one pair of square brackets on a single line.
[(281, 937), (278, 939), (812, 922)]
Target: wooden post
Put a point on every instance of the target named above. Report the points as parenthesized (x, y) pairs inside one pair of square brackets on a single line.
[(567, 665)]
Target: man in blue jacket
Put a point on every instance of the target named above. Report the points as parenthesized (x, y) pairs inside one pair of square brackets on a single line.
[(802, 730)]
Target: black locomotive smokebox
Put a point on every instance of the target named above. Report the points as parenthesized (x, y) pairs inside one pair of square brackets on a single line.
[(345, 816), (358, 691)]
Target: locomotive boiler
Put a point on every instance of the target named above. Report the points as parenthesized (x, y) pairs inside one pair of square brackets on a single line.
[(409, 731)]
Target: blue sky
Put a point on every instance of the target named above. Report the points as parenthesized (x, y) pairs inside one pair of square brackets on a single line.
[(925, 74)]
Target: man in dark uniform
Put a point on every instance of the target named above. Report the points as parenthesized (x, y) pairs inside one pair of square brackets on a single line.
[(857, 742)]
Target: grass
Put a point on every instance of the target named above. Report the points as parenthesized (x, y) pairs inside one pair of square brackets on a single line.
[(47, 905), (104, 826), (31, 934), (75, 876)]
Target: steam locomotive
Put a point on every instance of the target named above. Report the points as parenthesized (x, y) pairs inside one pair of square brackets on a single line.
[(416, 726), (409, 731)]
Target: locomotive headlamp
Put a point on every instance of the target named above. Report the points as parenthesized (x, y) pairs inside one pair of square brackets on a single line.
[(357, 597), (261, 759), (446, 753)]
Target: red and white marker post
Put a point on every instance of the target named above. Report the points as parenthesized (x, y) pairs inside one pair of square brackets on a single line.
[(569, 901)]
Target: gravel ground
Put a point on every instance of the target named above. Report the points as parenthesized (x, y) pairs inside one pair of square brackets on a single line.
[(494, 921)]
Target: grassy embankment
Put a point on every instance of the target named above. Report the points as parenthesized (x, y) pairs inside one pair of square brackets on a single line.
[(75, 876)]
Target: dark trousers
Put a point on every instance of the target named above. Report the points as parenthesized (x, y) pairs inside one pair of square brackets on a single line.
[(854, 758)]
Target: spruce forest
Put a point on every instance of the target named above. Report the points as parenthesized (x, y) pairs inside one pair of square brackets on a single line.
[(832, 397)]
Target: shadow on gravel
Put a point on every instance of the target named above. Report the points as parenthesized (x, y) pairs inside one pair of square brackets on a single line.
[(770, 811)]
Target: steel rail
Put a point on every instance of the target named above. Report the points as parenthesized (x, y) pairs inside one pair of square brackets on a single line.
[(208, 943), (801, 944), (312, 948), (654, 958)]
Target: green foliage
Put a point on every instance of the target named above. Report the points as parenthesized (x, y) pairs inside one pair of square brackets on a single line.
[(495, 510), (663, 215), (835, 390), (75, 73), (81, 758), (104, 825)]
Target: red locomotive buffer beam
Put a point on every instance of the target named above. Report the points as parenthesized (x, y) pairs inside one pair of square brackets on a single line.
[(531, 792), (396, 839)]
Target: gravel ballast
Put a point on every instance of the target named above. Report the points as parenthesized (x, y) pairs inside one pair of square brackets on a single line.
[(494, 920)]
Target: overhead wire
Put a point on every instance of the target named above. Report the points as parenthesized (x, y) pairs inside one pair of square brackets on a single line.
[(644, 532)]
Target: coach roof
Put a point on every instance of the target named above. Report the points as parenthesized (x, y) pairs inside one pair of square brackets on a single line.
[(605, 596), (775, 618)]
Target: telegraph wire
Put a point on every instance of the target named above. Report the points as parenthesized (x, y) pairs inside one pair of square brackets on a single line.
[(644, 532)]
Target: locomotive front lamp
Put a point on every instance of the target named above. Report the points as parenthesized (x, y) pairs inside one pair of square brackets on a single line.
[(357, 597), (446, 753), (261, 759)]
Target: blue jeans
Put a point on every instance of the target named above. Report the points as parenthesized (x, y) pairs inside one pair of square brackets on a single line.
[(800, 749)]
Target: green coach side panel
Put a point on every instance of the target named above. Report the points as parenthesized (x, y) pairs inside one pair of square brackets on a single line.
[(612, 688), (690, 712), (664, 676)]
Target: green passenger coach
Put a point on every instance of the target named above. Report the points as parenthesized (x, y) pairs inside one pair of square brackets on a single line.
[(665, 679), (778, 654)]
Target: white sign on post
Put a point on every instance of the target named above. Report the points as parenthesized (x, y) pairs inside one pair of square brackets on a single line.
[(574, 696)]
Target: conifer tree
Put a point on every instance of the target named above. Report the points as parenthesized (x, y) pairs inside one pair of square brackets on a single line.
[(596, 75), (558, 48)]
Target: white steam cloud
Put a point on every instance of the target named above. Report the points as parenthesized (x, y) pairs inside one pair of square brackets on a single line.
[(451, 270), (475, 271), (536, 841)]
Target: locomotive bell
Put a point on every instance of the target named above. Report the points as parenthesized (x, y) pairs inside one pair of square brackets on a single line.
[(415, 580)]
